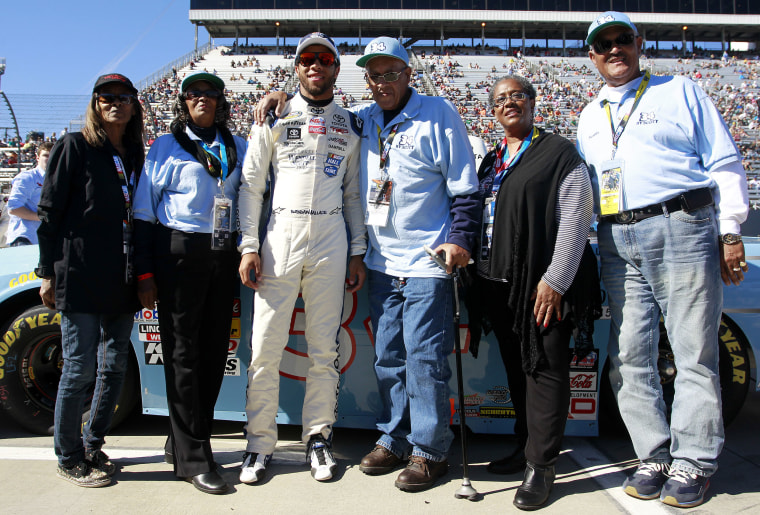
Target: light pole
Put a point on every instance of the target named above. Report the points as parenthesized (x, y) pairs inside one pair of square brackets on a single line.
[(683, 40), (483, 37), (277, 35)]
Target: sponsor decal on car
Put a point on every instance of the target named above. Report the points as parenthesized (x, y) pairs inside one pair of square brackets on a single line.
[(499, 395), (583, 406), (583, 381)]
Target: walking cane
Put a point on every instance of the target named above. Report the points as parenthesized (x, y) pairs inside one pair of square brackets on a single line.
[(466, 491)]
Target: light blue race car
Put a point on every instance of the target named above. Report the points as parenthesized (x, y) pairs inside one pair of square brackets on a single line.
[(30, 361)]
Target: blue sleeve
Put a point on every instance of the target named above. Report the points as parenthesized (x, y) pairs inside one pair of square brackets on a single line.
[(466, 213)]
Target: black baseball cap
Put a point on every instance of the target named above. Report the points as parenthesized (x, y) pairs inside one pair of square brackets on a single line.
[(113, 78)]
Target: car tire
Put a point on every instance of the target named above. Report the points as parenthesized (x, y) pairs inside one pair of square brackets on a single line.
[(734, 369), (30, 369)]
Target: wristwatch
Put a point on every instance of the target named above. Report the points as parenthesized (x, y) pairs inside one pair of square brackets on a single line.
[(730, 238)]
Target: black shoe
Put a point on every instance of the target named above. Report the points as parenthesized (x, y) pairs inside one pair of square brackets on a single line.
[(210, 483), (535, 489), (512, 464)]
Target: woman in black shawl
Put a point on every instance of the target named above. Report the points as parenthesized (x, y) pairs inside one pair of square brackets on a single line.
[(538, 206)]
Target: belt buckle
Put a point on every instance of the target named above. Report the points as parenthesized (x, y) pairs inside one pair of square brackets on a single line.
[(625, 217)]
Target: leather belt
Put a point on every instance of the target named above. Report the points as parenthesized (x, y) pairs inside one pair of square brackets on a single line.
[(688, 201)]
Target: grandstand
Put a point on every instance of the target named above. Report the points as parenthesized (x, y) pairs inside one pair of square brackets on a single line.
[(560, 70)]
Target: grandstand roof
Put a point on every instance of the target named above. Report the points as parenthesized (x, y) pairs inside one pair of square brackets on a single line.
[(427, 24)]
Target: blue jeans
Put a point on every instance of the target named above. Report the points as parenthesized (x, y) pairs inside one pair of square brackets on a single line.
[(413, 324), (95, 351), (667, 265)]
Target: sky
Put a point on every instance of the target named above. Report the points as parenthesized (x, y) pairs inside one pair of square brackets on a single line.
[(61, 47)]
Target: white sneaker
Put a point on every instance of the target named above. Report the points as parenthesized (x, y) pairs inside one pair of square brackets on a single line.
[(320, 457), (253, 467)]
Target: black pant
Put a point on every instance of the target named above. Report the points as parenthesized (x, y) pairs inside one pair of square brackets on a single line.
[(196, 286), (541, 400)]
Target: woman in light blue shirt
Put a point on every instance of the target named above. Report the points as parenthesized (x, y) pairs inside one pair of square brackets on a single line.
[(186, 261)]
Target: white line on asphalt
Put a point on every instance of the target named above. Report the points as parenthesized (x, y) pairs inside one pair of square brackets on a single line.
[(282, 457), (610, 476)]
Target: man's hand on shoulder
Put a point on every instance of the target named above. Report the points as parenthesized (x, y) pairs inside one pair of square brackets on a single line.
[(275, 100)]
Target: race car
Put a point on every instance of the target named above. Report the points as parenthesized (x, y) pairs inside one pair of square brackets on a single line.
[(31, 360)]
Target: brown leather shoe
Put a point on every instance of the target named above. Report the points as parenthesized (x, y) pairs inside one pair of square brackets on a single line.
[(420, 474), (379, 461)]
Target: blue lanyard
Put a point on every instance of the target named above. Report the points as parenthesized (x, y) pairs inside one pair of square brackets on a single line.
[(503, 167), (222, 158)]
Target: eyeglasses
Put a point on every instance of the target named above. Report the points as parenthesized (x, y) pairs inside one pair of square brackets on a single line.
[(602, 46), (197, 93), (110, 98), (517, 96), (385, 77), (306, 59)]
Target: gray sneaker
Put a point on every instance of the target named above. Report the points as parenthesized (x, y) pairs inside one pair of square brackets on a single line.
[(82, 474), (646, 482), (100, 461)]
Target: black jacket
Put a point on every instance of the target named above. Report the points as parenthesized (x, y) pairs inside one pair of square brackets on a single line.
[(82, 211)]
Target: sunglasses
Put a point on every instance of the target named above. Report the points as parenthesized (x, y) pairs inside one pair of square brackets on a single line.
[(110, 98), (306, 59), (517, 96), (208, 93), (385, 77), (602, 46)]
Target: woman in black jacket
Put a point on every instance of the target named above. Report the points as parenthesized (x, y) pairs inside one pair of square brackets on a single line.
[(86, 270)]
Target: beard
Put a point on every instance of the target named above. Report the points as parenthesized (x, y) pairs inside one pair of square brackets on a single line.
[(315, 90)]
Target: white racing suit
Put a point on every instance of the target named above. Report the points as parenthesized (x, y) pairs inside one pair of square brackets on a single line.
[(314, 189)]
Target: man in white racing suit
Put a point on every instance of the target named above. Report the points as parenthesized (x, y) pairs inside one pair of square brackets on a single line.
[(308, 163)]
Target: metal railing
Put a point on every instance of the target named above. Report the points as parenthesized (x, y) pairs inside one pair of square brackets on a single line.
[(177, 63)]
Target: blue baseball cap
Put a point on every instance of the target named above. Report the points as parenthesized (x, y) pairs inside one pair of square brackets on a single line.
[(606, 20), (384, 47)]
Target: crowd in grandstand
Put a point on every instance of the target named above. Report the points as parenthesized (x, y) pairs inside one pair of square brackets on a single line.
[(564, 87)]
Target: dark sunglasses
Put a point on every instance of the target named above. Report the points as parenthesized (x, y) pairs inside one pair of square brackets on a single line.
[(196, 93), (306, 59), (110, 98), (602, 46)]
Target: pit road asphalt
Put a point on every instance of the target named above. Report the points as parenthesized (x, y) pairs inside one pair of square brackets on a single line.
[(589, 474)]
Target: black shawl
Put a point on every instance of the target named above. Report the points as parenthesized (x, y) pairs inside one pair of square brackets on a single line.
[(525, 232)]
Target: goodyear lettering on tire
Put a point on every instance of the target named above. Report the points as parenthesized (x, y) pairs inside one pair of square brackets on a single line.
[(739, 364), (12, 334)]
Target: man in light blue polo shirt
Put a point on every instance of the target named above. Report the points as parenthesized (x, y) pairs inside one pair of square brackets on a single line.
[(671, 195), (419, 186), (22, 202)]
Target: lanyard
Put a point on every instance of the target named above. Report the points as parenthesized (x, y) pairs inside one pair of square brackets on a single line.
[(617, 133), (222, 159), (126, 185), (504, 166), (385, 147)]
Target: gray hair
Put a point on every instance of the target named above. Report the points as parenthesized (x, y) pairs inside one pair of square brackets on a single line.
[(525, 84)]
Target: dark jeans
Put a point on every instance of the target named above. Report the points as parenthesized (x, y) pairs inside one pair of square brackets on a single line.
[(541, 400), (95, 351), (196, 286)]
